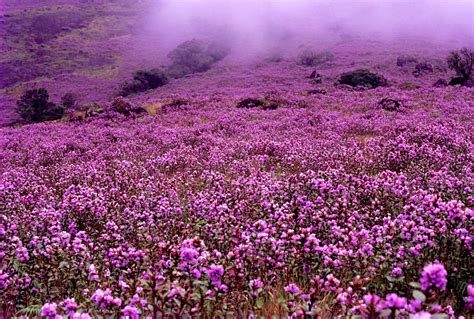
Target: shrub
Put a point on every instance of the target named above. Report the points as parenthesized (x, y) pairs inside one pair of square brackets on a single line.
[(68, 100), (125, 107), (405, 59), (440, 83), (421, 68), (34, 107), (362, 77), (390, 105), (311, 58), (195, 56), (249, 103), (144, 80), (266, 103), (461, 62), (218, 50)]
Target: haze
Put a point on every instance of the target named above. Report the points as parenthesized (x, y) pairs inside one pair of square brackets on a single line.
[(278, 25)]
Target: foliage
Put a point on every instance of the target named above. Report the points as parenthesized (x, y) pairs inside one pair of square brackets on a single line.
[(312, 58), (362, 77), (144, 80), (214, 211), (195, 56), (69, 100), (34, 107), (461, 62)]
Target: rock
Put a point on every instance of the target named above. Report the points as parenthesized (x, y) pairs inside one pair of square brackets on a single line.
[(316, 77), (390, 105), (317, 91), (270, 106), (249, 103), (458, 80), (440, 83)]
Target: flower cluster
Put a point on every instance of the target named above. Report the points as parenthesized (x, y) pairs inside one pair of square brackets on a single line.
[(327, 206)]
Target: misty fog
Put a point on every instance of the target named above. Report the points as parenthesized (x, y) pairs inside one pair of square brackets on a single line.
[(270, 26)]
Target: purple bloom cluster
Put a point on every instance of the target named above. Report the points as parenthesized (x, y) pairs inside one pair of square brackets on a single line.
[(434, 275), (327, 202)]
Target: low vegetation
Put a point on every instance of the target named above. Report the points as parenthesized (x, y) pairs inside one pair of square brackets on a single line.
[(362, 78), (144, 80), (195, 56), (313, 58), (461, 62), (34, 106)]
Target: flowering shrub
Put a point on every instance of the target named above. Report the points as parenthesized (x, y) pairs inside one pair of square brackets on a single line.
[(333, 210)]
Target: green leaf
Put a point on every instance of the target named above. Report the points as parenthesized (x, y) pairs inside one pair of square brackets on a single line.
[(390, 278), (259, 303), (418, 295), (414, 284), (32, 310), (15, 265)]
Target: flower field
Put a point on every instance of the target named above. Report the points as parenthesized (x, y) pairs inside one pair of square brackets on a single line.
[(327, 207)]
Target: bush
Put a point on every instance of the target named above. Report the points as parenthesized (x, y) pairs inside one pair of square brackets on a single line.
[(34, 107), (405, 59), (440, 83), (144, 80), (266, 103), (311, 58), (362, 77), (390, 105), (68, 100), (461, 62), (195, 56), (125, 107), (422, 68), (218, 50)]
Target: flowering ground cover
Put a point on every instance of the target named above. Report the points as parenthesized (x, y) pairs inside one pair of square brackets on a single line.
[(260, 185), (328, 206)]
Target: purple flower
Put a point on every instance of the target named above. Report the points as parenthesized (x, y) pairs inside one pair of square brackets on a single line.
[(256, 283), (395, 302), (188, 254), (81, 316), (396, 272), (70, 305), (215, 272), (130, 312), (433, 275), (49, 310), (370, 299), (470, 297), (292, 289), (195, 273), (421, 315)]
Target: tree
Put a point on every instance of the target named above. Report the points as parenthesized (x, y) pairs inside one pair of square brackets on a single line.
[(461, 62), (34, 107)]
